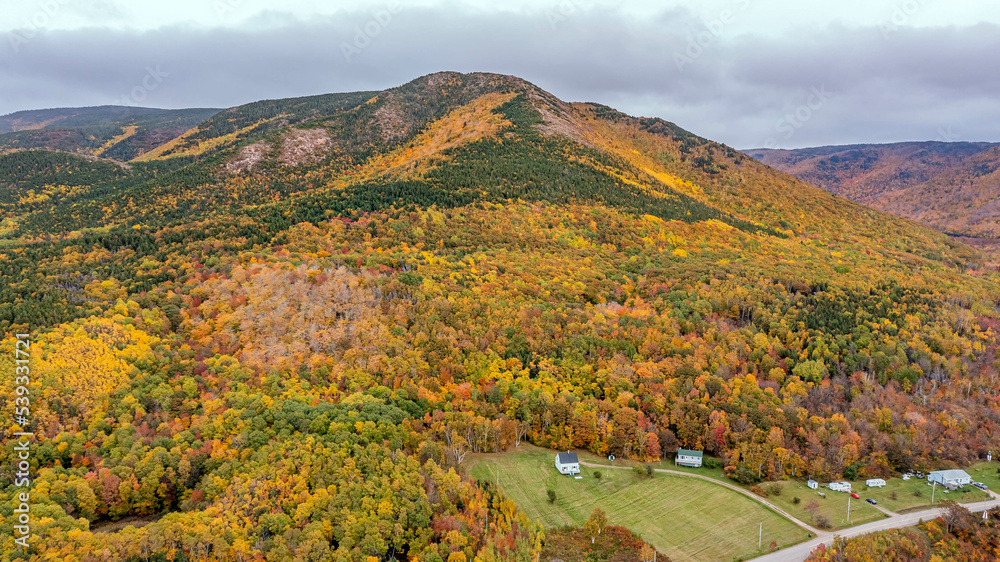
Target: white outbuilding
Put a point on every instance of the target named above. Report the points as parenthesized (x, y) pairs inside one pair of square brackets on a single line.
[(875, 482)]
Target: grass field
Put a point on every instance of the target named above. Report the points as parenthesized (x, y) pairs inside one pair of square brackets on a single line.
[(910, 495), (915, 494), (833, 507), (986, 472), (685, 518)]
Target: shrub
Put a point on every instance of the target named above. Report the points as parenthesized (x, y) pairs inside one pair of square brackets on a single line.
[(649, 470), (759, 491), (893, 495), (918, 493), (774, 489), (597, 474), (796, 500), (710, 462), (822, 522), (552, 495)]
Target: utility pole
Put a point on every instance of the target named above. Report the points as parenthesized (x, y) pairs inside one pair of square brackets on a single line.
[(760, 536), (848, 509), (933, 488)]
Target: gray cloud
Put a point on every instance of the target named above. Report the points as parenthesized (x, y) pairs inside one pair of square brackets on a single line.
[(742, 89)]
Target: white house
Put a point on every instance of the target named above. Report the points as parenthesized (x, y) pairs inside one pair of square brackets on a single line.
[(686, 457), (840, 486), (950, 479), (567, 463), (875, 482), (812, 484)]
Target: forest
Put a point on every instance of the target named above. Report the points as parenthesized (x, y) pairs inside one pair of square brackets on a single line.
[(293, 361)]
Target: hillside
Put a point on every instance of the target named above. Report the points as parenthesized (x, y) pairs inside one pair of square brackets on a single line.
[(949, 186), (964, 199), (116, 132), (282, 333)]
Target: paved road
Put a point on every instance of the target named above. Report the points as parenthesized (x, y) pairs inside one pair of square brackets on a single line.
[(801, 551)]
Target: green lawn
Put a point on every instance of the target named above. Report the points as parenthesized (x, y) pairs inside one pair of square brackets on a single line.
[(986, 472), (910, 495), (833, 507), (685, 518)]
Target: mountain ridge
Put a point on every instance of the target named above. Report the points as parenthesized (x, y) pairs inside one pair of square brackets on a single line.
[(936, 183)]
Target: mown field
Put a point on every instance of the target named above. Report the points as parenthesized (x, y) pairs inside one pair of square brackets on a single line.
[(812, 507), (685, 518)]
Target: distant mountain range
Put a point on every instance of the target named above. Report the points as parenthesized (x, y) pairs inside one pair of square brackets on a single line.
[(953, 187), (115, 132)]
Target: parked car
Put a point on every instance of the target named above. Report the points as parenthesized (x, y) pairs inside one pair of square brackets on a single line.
[(980, 485), (855, 495), (920, 475), (871, 501)]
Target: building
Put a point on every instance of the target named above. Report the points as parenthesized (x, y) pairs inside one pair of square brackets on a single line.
[(567, 463), (812, 484), (689, 458), (875, 482), (950, 479), (840, 486)]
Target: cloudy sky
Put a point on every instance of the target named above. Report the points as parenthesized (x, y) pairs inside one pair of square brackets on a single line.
[(781, 73)]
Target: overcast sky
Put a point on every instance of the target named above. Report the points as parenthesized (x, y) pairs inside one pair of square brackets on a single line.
[(781, 73)]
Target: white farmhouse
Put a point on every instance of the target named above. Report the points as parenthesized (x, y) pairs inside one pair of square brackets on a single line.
[(567, 463), (950, 479), (687, 457)]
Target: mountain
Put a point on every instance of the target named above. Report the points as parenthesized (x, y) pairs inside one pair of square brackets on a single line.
[(117, 132), (281, 334), (963, 199), (949, 186)]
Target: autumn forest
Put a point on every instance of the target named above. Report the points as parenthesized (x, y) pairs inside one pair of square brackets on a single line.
[(279, 334)]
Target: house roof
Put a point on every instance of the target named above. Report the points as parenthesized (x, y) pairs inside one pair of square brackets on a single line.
[(567, 458), (951, 474), (689, 453)]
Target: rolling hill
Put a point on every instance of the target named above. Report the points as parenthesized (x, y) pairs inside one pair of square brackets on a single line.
[(116, 132), (281, 333), (949, 186)]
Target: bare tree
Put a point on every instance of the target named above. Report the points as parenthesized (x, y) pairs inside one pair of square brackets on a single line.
[(457, 444)]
